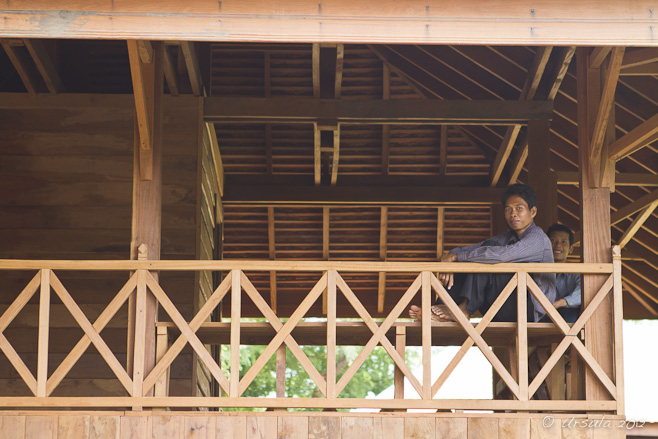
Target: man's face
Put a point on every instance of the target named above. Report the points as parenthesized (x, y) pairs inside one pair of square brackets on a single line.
[(517, 214), (561, 246)]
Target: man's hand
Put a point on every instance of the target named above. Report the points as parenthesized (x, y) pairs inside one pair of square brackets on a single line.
[(560, 303), (447, 279)]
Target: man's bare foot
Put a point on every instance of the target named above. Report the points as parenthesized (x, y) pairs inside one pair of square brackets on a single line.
[(416, 313), (445, 315)]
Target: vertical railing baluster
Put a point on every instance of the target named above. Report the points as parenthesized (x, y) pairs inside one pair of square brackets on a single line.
[(44, 331), (140, 337), (331, 334), (522, 334), (618, 324), (426, 324), (236, 292), (400, 347)]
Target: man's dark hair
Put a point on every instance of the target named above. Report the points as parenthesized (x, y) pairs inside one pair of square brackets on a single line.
[(523, 191), (561, 228)]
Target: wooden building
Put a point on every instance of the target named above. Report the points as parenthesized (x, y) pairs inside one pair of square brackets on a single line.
[(168, 170)]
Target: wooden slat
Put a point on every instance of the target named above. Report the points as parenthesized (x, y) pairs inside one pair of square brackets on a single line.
[(636, 224), (418, 427), (44, 320), (104, 426), (139, 346), (426, 322), (45, 65), (621, 179), (316, 70), (335, 156), (317, 154), (638, 57), (452, 428), (400, 347), (188, 50), (12, 426), (357, 428), (73, 427), (216, 157), (634, 140), (293, 427), (522, 334), (383, 240), (21, 61), (41, 427), (340, 55)]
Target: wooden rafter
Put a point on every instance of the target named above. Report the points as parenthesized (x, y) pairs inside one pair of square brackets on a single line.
[(143, 109), (383, 244), (605, 105), (636, 224), (189, 52), (634, 207), (45, 65), (20, 58), (535, 73), (598, 55), (634, 140), (621, 179), (170, 71), (216, 156), (639, 57)]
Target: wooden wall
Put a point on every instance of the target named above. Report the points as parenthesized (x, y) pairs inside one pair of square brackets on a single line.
[(118, 425), (66, 193)]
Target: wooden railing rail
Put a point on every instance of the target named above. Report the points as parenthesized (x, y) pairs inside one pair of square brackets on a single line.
[(141, 282)]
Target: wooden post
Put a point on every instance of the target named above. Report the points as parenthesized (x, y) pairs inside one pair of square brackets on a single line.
[(162, 344), (539, 172), (147, 196), (522, 335), (595, 226), (44, 331), (400, 347)]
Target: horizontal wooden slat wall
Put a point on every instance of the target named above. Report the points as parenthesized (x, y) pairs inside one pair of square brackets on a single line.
[(65, 193)]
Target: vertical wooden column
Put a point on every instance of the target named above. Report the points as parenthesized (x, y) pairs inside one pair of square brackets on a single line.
[(539, 172), (595, 226), (147, 184)]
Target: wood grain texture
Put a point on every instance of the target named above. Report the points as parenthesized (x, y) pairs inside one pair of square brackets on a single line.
[(12, 427), (419, 428), (261, 427), (231, 427), (483, 428), (199, 427), (73, 427), (134, 427), (293, 427), (323, 427), (104, 427), (388, 428), (514, 428), (41, 427), (451, 428), (357, 428)]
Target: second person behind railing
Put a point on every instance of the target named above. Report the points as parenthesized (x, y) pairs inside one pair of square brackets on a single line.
[(523, 242)]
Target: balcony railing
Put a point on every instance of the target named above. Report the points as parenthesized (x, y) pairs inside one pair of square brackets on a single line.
[(275, 333)]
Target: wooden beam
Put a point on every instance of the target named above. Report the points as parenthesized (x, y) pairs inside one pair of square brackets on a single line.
[(317, 154), (634, 207), (595, 227), (639, 57), (643, 70), (216, 156), (143, 109), (639, 297), (315, 70), (375, 111), (634, 140), (636, 224), (340, 55), (383, 245), (170, 71), (45, 65), (598, 55), (535, 73), (621, 179), (335, 155), (272, 251), (188, 49), (443, 151), (20, 59), (268, 195), (606, 103), (325, 250), (145, 51)]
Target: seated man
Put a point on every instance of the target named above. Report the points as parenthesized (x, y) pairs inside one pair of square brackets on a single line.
[(567, 285), (523, 242)]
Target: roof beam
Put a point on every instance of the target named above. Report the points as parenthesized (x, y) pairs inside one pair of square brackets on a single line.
[(636, 224), (143, 109), (598, 55), (639, 57), (170, 71), (621, 179), (639, 297), (188, 49), (634, 207), (375, 111), (45, 65), (634, 140), (21, 60), (643, 70), (535, 74), (271, 195)]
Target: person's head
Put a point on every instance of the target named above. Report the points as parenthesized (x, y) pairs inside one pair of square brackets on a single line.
[(520, 203), (561, 238)]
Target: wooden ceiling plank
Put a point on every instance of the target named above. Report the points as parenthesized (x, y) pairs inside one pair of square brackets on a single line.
[(170, 72), (45, 65), (375, 111), (598, 55), (194, 72), (19, 58), (383, 243), (635, 139), (639, 57), (606, 103), (535, 74), (636, 224), (443, 151)]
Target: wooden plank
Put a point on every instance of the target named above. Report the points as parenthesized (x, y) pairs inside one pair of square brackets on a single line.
[(514, 428), (170, 72), (621, 179), (426, 322), (522, 335), (326, 227), (73, 426), (634, 140), (443, 150), (12, 426), (634, 207), (134, 427), (41, 427), (483, 428), (336, 156), (618, 316), (383, 240), (419, 428), (167, 427), (272, 251), (317, 154), (104, 427), (236, 294), (543, 428), (231, 427), (643, 70), (141, 324), (340, 55), (140, 90), (388, 428), (321, 427), (357, 428), (374, 111), (199, 427), (636, 224), (452, 428), (261, 427), (44, 317), (638, 57), (188, 50), (331, 334), (216, 157), (45, 65), (316, 70), (293, 427), (598, 55), (162, 345), (400, 347), (21, 61)]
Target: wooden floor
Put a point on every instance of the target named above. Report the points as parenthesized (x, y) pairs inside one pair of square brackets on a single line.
[(302, 425)]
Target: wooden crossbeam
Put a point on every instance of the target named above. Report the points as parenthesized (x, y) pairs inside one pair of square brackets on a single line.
[(535, 74), (635, 139), (621, 179), (375, 111), (189, 52), (605, 105), (633, 207), (265, 195), (44, 64), (640, 57), (636, 224), (20, 59)]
